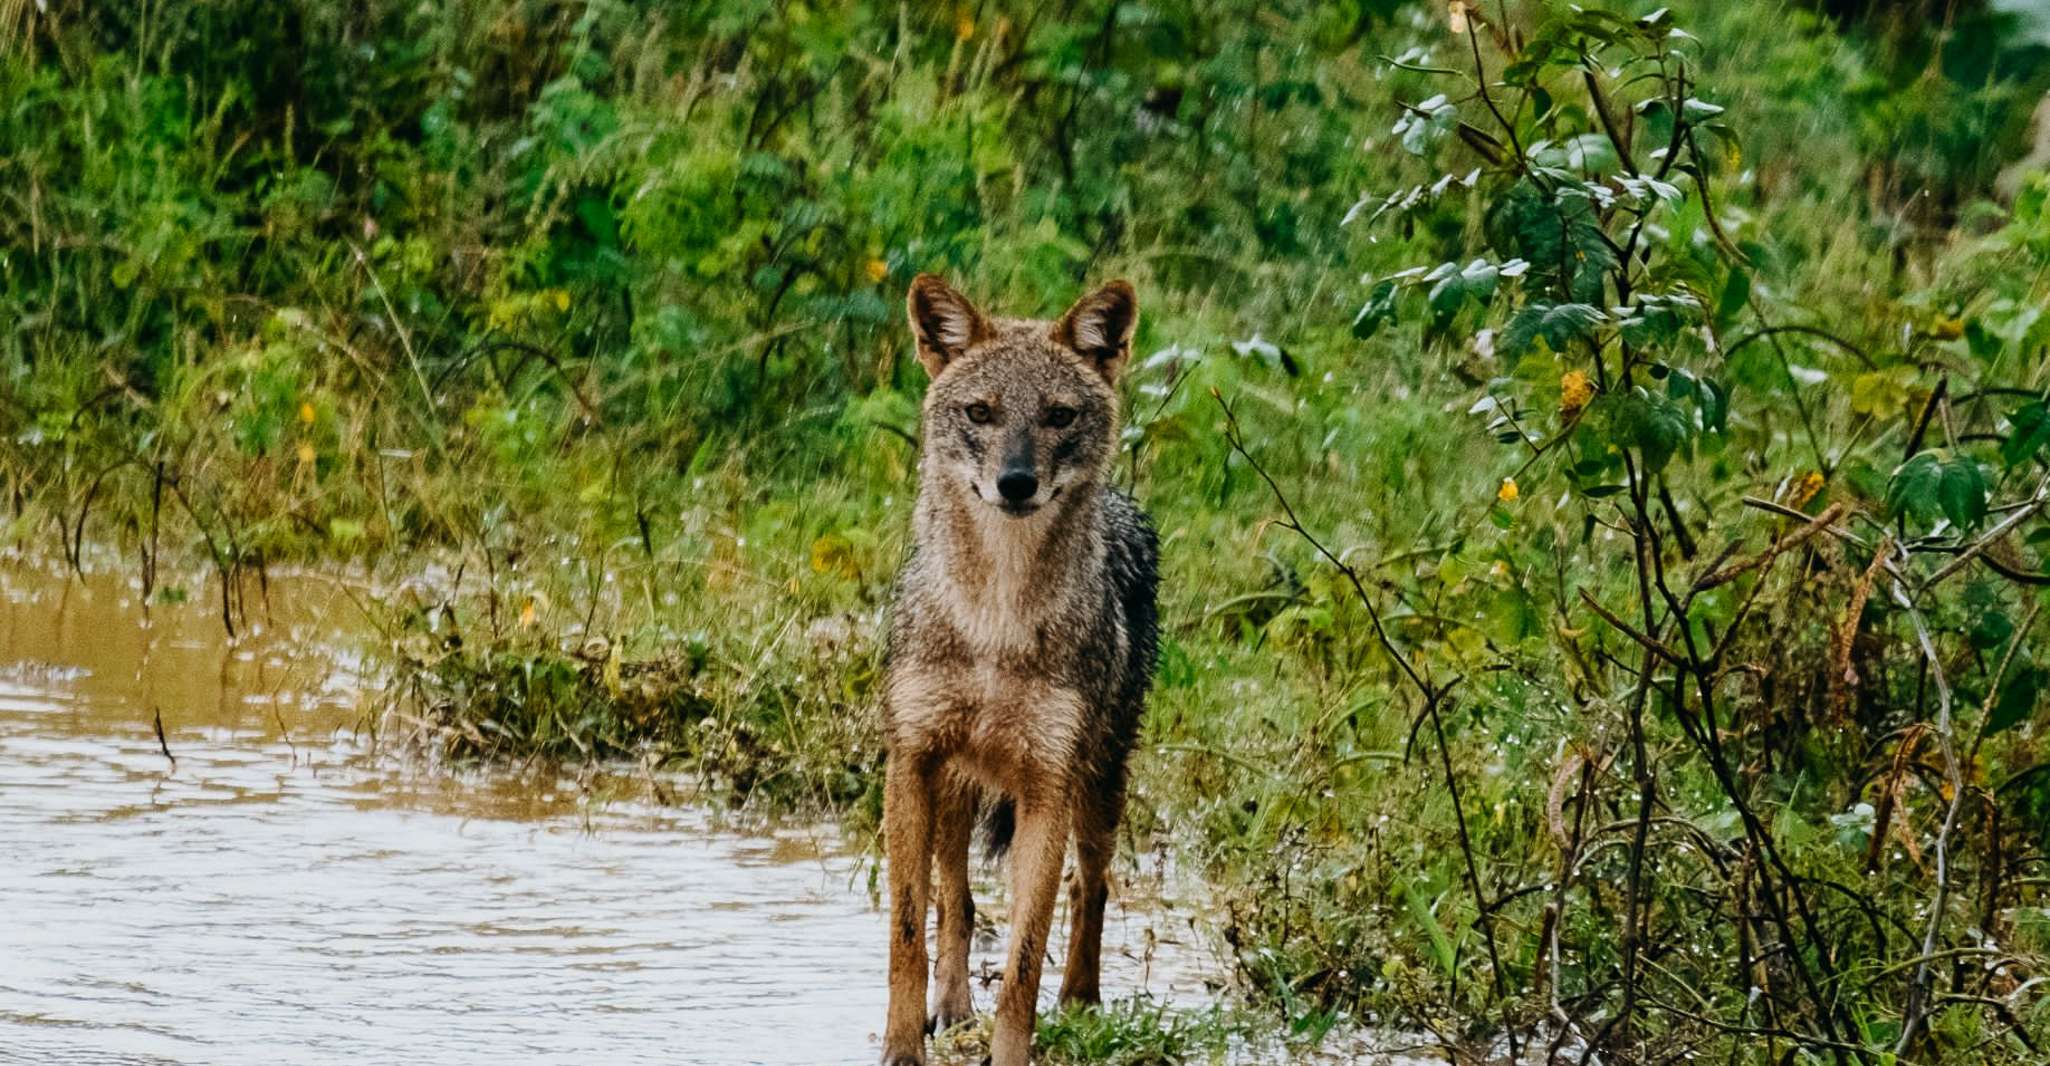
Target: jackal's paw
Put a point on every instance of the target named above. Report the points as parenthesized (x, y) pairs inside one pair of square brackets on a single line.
[(1081, 996), (947, 1015), (904, 1058)]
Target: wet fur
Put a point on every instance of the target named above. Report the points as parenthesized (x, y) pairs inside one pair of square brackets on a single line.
[(1021, 648)]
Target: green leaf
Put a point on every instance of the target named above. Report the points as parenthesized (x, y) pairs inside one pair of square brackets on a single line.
[(1589, 256), (1655, 318), (1710, 398), (1455, 286), (1558, 324), (1961, 490), (2018, 697), (1420, 131), (2031, 422), (1441, 942), (1654, 425), (1714, 399), (1911, 489), (1735, 296), (1378, 311), (1990, 630), (1558, 233), (1699, 110), (1983, 343), (1588, 153)]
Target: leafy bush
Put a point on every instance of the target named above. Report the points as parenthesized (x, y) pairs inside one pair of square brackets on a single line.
[(1786, 794), (1671, 680)]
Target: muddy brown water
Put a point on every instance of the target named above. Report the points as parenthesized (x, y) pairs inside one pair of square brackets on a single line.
[(283, 894)]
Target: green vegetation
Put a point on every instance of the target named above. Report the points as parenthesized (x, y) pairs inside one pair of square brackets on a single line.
[(1129, 1033), (1600, 455)]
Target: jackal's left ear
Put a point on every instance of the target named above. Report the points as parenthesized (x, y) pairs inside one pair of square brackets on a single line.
[(1099, 327)]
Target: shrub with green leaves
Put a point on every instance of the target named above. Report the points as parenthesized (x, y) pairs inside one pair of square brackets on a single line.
[(1664, 389), (1798, 635)]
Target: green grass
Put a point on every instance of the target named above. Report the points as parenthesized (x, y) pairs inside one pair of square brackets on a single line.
[(590, 313), (1133, 1034), (1147, 1033)]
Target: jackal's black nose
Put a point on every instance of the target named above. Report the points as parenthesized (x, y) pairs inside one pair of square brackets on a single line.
[(1017, 486)]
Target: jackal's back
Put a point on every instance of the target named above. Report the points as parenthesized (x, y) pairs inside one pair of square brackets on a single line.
[(1133, 566)]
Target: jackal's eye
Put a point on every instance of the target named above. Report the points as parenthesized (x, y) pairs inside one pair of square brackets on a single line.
[(1060, 416), (978, 413)]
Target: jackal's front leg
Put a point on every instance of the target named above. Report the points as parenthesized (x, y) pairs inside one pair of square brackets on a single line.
[(953, 825), (1037, 850), (907, 828)]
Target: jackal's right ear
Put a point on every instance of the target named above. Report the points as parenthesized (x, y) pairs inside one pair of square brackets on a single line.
[(944, 322)]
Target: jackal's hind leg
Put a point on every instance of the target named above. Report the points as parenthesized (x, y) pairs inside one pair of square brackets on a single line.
[(1097, 811), (954, 823), (1037, 852)]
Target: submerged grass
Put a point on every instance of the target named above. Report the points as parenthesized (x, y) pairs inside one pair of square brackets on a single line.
[(593, 309)]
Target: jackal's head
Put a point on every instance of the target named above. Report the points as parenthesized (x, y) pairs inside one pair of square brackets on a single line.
[(1021, 412)]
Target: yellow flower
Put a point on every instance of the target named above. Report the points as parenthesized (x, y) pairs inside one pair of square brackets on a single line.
[(1574, 393), (306, 413), (1507, 493), (527, 614), (877, 270), (1810, 484), (305, 452), (561, 300), (833, 553), (964, 25)]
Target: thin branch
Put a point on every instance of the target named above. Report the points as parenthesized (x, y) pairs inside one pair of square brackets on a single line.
[(1800, 536)]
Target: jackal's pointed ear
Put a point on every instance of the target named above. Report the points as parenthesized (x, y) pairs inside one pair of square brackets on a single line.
[(945, 324), (1099, 327)]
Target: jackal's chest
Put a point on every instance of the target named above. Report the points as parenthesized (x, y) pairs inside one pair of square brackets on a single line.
[(991, 722), (997, 615)]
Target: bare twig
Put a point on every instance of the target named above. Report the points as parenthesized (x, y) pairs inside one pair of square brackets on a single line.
[(157, 723), (1918, 988), (2017, 517), (1800, 536), (1433, 695)]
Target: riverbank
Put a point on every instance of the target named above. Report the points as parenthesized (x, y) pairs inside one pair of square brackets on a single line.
[(214, 858), (1599, 454)]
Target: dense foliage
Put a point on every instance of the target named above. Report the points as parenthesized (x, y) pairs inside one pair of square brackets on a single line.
[(1601, 454)]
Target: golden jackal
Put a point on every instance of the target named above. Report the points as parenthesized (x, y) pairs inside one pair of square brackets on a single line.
[(1022, 642)]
